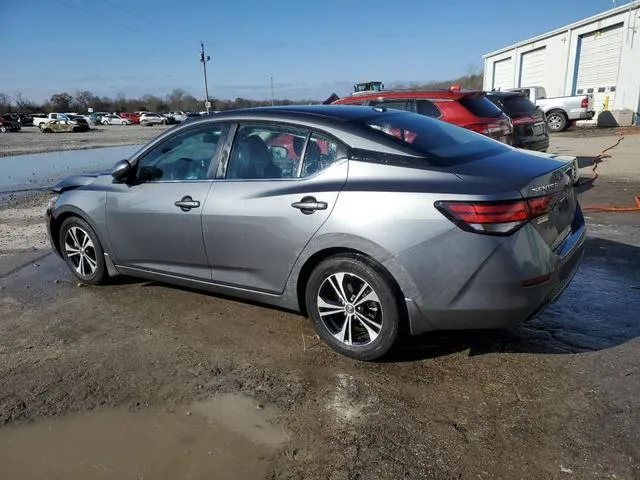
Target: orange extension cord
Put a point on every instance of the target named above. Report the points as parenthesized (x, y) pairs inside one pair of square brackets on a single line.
[(599, 208)]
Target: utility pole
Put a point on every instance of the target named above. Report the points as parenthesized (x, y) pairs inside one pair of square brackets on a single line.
[(272, 97), (204, 59)]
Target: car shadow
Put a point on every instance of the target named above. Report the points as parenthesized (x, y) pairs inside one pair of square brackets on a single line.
[(599, 310)]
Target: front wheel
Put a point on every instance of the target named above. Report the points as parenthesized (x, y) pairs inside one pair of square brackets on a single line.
[(3, 129), (82, 252), (354, 306), (556, 121), (124, 123)]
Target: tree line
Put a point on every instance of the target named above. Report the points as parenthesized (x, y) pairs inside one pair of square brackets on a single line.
[(180, 100), (81, 101)]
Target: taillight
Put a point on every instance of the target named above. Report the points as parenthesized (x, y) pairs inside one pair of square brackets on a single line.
[(491, 128), (494, 218), (584, 103)]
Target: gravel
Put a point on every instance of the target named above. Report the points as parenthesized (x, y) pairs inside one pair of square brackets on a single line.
[(31, 140)]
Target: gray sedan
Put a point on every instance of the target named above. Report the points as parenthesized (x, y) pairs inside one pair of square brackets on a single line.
[(369, 221)]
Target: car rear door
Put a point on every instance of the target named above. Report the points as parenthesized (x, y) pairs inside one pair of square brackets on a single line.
[(258, 219), (155, 221)]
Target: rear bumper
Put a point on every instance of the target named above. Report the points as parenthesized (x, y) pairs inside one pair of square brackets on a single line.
[(483, 289), (539, 144)]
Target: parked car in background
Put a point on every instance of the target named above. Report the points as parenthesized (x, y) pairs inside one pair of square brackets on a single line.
[(39, 119), (26, 119), (112, 119), (179, 117), (561, 112), (528, 120), (130, 116), (81, 119), (8, 125), (60, 126), (152, 119), (488, 235), (12, 117), (465, 108)]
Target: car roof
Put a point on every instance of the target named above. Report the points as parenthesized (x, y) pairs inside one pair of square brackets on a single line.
[(447, 94), (303, 112)]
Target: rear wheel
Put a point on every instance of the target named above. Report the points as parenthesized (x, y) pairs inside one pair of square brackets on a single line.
[(3, 129), (557, 121), (124, 123), (82, 252), (354, 306)]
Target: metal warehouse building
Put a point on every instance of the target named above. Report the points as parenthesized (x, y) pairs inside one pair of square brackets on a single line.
[(598, 55)]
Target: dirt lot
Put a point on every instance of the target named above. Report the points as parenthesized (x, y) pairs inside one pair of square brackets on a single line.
[(558, 397), (31, 140)]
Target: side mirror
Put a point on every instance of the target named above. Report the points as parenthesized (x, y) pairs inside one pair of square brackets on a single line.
[(121, 170)]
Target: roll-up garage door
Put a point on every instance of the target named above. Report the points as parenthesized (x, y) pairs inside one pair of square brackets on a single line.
[(533, 66), (503, 74), (598, 65)]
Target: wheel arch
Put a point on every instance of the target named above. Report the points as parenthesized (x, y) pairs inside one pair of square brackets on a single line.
[(60, 217), (321, 255)]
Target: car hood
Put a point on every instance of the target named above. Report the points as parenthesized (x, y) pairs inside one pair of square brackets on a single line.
[(75, 181)]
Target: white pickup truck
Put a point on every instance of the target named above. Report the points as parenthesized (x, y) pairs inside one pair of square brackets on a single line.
[(37, 120), (561, 112)]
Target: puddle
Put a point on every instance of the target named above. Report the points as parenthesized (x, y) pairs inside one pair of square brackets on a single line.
[(225, 437), (44, 169)]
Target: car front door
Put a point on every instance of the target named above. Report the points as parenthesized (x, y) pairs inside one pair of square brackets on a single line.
[(274, 191), (155, 220)]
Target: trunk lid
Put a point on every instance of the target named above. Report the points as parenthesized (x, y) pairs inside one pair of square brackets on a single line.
[(543, 180)]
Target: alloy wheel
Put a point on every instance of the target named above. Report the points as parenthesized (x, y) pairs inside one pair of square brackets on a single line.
[(350, 309), (80, 251), (555, 122)]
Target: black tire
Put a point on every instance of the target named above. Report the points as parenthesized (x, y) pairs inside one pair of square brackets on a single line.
[(3, 129), (557, 121), (94, 274), (383, 314)]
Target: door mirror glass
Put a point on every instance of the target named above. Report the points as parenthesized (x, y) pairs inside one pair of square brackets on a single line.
[(121, 170)]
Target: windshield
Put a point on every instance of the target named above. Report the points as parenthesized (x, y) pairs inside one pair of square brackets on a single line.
[(443, 143), (480, 106)]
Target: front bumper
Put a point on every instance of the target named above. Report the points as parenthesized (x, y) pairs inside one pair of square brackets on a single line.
[(470, 281)]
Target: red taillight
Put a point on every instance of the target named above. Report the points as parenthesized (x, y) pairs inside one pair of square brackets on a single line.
[(494, 218), (490, 129), (584, 103)]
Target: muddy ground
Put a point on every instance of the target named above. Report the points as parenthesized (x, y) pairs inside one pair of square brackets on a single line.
[(556, 398)]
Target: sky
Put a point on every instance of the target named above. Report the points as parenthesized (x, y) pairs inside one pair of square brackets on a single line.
[(311, 48)]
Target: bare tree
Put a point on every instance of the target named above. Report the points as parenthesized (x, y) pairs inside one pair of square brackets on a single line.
[(23, 104), (5, 102), (82, 100)]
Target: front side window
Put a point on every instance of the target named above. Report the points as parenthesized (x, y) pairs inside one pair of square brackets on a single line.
[(266, 152), (186, 156)]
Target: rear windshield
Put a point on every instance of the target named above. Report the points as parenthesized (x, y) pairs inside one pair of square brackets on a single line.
[(441, 142), (481, 106), (517, 105)]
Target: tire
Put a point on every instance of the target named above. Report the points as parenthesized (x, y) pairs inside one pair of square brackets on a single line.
[(124, 123), (3, 129), (353, 276), (557, 121), (82, 252)]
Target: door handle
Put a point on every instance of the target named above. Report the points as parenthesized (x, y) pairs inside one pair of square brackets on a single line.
[(187, 203), (308, 205)]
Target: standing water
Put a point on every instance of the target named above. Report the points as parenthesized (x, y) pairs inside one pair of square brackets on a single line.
[(42, 170)]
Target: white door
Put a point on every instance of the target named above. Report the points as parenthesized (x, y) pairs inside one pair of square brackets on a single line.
[(598, 65), (503, 74), (533, 67)]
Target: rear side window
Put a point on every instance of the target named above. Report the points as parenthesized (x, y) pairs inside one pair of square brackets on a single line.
[(517, 105), (406, 105), (425, 107), (444, 144), (480, 106)]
